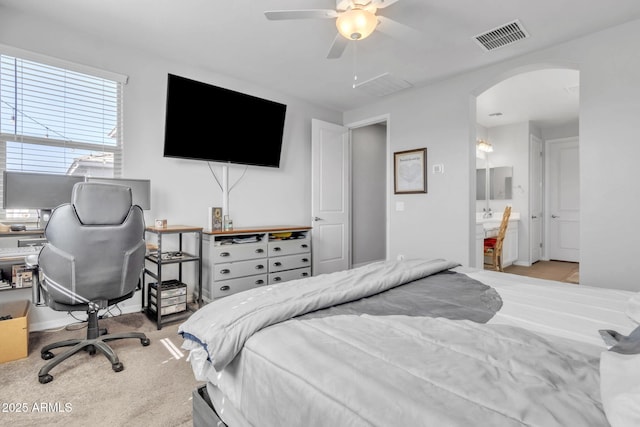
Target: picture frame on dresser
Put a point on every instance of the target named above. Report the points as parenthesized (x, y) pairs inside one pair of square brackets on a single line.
[(215, 219)]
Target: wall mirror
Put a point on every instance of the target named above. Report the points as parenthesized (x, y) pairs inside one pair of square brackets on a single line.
[(497, 181)]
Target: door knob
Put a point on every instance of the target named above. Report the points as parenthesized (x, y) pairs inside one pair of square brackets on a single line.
[(315, 218), (554, 216)]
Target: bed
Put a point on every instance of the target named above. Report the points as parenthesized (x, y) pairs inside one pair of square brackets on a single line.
[(417, 342)]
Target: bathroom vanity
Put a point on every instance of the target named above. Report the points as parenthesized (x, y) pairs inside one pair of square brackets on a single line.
[(488, 227)]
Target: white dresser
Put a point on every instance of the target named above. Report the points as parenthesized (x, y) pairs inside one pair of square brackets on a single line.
[(241, 259)]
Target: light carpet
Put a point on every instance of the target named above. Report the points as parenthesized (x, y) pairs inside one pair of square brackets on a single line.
[(154, 389)]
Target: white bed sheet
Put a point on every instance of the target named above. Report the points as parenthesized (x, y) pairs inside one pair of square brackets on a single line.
[(557, 309)]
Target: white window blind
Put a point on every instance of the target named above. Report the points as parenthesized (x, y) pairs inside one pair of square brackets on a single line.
[(56, 120)]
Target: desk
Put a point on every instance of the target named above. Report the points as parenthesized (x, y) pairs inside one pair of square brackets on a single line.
[(11, 254), (34, 232)]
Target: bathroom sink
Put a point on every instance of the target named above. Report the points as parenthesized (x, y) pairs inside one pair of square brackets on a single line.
[(496, 218)]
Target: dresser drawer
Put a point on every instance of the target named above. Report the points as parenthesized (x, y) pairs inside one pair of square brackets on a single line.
[(232, 270), (239, 252), (288, 247), (289, 262), (228, 287), (284, 276)]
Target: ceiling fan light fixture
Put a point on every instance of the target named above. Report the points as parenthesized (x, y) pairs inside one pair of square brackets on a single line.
[(356, 24)]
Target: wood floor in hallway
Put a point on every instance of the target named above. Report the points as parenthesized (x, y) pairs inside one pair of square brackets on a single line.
[(552, 270)]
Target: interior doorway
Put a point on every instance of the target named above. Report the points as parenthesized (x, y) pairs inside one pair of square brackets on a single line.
[(368, 194), (350, 200), (563, 199), (518, 115)]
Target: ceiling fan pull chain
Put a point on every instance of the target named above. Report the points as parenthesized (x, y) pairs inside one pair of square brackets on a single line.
[(355, 63)]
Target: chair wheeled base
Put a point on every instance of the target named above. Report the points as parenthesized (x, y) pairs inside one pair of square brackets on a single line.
[(96, 340)]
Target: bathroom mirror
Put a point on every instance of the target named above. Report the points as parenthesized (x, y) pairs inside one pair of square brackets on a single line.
[(499, 183), (481, 184)]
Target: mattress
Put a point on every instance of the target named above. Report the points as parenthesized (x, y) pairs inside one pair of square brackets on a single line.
[(279, 364)]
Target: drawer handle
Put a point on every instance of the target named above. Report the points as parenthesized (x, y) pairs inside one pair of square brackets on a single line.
[(259, 282), (304, 245), (224, 254), (305, 259), (277, 279), (277, 263), (259, 267), (305, 274), (277, 249), (259, 250), (225, 271), (224, 288)]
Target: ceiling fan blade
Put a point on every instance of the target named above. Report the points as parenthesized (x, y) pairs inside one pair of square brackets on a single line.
[(381, 4), (400, 32), (337, 48), (275, 15)]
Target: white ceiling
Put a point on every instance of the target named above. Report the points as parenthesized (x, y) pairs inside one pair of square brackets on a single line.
[(545, 97), (234, 38)]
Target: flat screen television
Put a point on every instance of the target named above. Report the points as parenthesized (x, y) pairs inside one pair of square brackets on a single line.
[(206, 122), (140, 189)]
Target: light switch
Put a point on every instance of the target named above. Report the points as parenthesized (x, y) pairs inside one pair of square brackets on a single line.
[(399, 206), (439, 168)]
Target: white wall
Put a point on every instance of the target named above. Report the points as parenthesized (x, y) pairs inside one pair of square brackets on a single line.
[(441, 117), (436, 224), (182, 189), (560, 131), (609, 155)]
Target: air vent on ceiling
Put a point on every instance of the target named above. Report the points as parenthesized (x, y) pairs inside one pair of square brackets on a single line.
[(383, 85), (502, 36)]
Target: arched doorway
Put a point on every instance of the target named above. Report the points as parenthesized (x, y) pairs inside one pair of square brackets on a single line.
[(520, 114)]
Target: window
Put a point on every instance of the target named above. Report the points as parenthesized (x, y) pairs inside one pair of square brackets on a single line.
[(58, 120)]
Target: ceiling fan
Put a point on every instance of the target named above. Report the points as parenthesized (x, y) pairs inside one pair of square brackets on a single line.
[(355, 20)]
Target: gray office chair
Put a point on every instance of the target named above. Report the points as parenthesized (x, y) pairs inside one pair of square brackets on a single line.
[(93, 259)]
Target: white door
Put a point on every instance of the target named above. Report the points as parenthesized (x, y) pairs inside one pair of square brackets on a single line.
[(330, 197), (535, 203), (563, 190)]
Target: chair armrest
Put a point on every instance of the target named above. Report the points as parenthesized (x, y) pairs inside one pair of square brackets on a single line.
[(31, 261)]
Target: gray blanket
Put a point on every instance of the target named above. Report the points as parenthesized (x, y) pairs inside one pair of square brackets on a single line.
[(445, 294), (223, 326)]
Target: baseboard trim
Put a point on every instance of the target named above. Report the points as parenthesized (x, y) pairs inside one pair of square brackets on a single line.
[(522, 264), (62, 322)]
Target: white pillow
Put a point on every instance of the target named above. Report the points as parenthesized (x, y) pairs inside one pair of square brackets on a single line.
[(620, 388), (633, 308)]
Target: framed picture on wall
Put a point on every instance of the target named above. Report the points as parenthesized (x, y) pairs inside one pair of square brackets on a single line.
[(410, 171)]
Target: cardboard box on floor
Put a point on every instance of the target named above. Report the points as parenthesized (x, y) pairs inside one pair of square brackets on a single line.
[(14, 332)]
